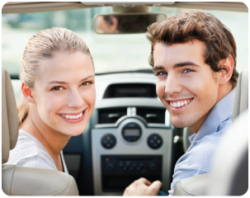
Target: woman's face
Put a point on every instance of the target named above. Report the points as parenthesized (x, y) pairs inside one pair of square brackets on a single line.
[(64, 92)]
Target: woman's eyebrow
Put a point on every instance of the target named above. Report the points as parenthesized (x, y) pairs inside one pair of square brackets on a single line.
[(62, 82)]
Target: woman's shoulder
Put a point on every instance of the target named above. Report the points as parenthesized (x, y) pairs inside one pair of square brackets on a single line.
[(29, 152)]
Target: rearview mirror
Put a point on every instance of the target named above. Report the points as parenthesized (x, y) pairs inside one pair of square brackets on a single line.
[(125, 23)]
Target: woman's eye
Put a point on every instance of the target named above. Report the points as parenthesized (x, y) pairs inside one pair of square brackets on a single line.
[(57, 88), (86, 83), (187, 70)]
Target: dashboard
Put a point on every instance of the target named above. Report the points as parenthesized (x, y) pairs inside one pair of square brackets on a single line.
[(133, 134)]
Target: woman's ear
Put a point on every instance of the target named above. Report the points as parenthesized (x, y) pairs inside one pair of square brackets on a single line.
[(227, 66), (27, 93)]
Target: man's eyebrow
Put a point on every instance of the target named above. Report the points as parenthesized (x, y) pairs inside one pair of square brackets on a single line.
[(157, 68), (182, 64), (62, 82), (185, 64)]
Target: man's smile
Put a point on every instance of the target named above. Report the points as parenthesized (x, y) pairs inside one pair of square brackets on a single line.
[(179, 104)]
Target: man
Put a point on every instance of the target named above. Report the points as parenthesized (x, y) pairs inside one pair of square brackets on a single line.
[(193, 56)]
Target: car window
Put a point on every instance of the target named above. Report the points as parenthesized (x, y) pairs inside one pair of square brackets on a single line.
[(110, 52)]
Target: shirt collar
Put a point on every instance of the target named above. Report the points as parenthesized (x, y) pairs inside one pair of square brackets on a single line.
[(220, 112)]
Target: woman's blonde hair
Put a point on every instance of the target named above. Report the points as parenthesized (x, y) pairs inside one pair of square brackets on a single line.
[(42, 46)]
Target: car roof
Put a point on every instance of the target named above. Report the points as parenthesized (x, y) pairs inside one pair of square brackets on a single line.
[(25, 7)]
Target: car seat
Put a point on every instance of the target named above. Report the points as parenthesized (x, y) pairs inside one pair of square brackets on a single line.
[(22, 181)]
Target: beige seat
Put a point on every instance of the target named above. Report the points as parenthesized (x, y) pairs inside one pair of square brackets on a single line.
[(23, 180), (229, 175), (230, 168)]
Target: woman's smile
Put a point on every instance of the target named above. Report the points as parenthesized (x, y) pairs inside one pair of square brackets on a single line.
[(73, 117)]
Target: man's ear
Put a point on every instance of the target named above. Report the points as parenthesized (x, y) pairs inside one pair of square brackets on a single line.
[(114, 26), (27, 93), (227, 66)]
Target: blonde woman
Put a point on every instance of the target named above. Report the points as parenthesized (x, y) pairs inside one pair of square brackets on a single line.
[(58, 88)]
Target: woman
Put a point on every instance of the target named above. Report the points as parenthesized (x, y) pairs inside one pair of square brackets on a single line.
[(58, 88)]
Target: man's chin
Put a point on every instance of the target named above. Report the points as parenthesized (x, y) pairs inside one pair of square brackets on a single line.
[(180, 124)]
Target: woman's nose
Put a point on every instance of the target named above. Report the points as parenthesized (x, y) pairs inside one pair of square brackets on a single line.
[(75, 99)]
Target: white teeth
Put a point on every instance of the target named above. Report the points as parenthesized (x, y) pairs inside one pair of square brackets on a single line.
[(180, 103), (72, 117)]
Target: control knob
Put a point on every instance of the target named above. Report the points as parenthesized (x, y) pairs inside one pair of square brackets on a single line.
[(154, 141), (108, 141)]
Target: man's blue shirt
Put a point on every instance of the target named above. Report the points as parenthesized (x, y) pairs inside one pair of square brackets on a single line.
[(199, 156)]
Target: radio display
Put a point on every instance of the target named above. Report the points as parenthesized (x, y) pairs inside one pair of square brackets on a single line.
[(131, 132)]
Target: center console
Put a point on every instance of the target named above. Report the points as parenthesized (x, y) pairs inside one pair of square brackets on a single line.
[(128, 150)]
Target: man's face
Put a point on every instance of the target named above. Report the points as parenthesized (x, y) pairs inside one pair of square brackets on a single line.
[(186, 85)]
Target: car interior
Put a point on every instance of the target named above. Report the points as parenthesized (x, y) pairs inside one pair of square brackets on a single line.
[(130, 134)]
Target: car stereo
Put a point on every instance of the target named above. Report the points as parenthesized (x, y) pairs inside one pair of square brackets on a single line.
[(128, 150), (119, 171)]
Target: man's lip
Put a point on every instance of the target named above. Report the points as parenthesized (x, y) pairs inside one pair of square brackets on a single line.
[(179, 108), (179, 100), (73, 113)]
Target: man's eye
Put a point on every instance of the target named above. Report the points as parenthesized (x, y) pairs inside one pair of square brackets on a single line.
[(187, 70), (57, 88), (161, 73)]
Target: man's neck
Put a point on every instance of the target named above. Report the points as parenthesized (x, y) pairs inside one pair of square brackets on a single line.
[(222, 92)]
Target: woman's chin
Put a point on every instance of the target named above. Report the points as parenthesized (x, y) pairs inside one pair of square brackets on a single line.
[(73, 131)]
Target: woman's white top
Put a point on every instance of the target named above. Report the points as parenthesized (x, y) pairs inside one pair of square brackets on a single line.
[(29, 152)]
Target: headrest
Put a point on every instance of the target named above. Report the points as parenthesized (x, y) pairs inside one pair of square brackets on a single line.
[(10, 123), (241, 94)]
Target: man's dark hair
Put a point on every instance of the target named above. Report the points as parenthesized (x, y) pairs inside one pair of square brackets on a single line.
[(187, 26)]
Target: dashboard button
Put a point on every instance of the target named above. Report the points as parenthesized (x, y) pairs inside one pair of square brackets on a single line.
[(110, 167), (154, 141), (141, 165), (121, 164), (108, 141), (153, 167)]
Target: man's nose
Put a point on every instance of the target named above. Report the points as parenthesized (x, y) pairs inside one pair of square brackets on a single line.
[(172, 85), (75, 99)]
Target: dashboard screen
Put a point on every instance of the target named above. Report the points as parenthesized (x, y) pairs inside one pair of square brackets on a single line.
[(131, 132)]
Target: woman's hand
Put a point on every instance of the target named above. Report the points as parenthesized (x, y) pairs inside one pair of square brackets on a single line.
[(143, 187)]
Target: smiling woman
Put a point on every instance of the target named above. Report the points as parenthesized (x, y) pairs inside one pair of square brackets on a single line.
[(58, 87)]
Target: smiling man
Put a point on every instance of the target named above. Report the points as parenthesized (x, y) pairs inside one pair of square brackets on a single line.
[(193, 56)]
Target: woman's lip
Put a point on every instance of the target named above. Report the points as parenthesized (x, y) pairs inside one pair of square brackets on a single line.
[(73, 113), (178, 108), (74, 120)]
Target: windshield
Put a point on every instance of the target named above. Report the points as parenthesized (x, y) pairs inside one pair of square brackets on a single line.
[(112, 52)]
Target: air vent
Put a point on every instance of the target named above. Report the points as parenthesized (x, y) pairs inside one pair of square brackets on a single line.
[(134, 90), (108, 116), (152, 115)]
